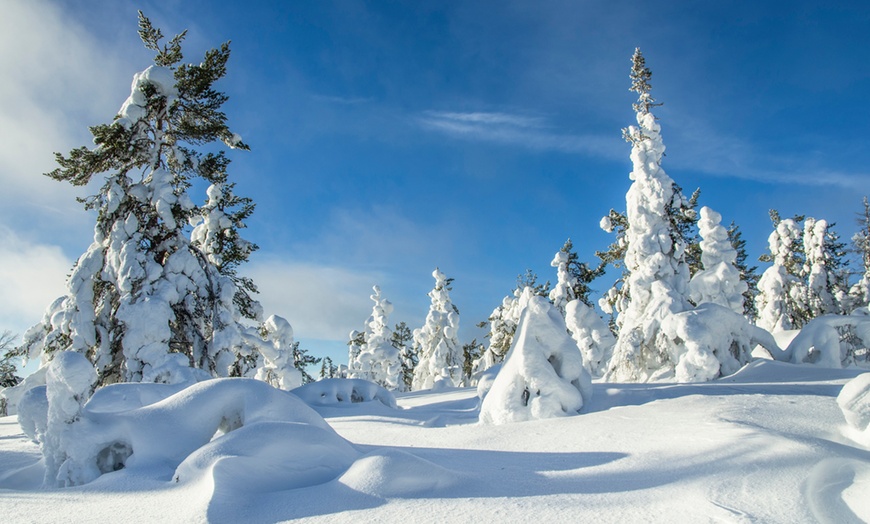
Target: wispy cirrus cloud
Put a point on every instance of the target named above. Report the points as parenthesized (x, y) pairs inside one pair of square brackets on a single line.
[(531, 132)]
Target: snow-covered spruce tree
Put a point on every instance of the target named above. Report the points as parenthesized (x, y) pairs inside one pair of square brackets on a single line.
[(356, 340), (440, 354), (327, 369), (655, 252), (781, 290), (301, 360), (719, 282), (403, 340), (471, 353), (378, 360), (143, 303), (748, 274), (572, 277), (824, 269), (860, 292)]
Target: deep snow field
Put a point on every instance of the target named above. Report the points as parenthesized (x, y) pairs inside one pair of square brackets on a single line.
[(768, 444)]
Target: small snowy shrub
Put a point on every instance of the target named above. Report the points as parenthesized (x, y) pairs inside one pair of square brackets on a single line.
[(343, 391), (831, 341), (543, 375)]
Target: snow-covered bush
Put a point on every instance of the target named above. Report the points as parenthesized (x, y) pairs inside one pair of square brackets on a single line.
[(658, 275), (592, 336), (344, 391), (440, 354), (502, 327), (378, 360), (278, 367), (719, 282), (563, 291), (832, 341), (543, 375), (711, 341)]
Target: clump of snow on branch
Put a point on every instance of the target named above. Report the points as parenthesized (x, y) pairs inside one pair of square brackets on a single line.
[(377, 359), (719, 282), (440, 362), (543, 375)]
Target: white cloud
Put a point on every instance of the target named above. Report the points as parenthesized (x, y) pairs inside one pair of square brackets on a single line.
[(320, 302), (519, 130), (57, 80), (32, 276)]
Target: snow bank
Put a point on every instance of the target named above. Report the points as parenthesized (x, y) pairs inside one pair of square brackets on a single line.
[(543, 374), (343, 391), (159, 436)]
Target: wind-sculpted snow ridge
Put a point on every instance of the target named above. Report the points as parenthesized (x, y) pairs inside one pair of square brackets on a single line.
[(543, 374), (139, 431), (343, 391), (854, 401)]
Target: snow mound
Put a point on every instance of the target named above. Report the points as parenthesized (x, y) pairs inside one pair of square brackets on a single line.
[(157, 437), (269, 456), (543, 374), (854, 401), (396, 473), (343, 391)]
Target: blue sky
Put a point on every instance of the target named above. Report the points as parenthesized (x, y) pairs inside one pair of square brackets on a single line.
[(392, 137)]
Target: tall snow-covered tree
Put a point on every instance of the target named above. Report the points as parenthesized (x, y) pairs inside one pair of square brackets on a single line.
[(379, 360), (357, 340), (719, 281), (781, 290), (860, 291), (143, 303), (440, 362), (658, 275), (614, 300)]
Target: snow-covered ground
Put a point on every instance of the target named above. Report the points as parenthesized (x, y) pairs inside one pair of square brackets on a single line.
[(769, 444)]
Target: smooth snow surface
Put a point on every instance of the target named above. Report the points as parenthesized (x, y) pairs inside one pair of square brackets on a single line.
[(767, 444)]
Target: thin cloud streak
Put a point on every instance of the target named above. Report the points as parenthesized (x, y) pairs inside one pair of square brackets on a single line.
[(529, 132)]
